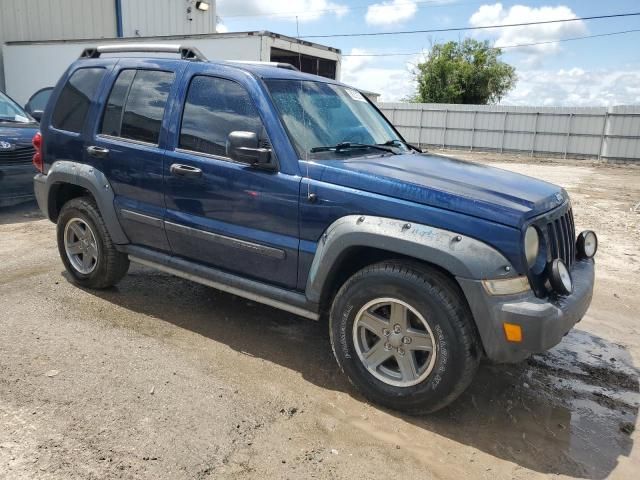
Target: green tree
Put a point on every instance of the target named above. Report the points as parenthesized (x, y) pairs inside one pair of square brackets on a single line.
[(468, 72)]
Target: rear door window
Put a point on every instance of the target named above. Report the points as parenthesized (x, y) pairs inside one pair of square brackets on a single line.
[(214, 108), (74, 101), (136, 105), (112, 119)]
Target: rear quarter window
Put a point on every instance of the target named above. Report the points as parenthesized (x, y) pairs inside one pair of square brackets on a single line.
[(73, 104)]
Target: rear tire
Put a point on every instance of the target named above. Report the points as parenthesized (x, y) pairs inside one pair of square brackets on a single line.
[(86, 248), (404, 336)]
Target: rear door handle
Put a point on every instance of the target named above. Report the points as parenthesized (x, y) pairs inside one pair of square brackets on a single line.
[(179, 170), (98, 152)]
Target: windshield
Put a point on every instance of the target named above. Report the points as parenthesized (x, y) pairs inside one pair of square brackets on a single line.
[(10, 111), (319, 114)]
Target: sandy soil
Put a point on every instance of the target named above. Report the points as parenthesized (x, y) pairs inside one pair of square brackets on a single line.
[(162, 378)]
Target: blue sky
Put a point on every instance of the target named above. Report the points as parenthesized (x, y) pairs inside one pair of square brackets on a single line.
[(597, 71)]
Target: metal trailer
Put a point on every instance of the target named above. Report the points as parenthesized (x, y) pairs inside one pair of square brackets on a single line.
[(30, 66)]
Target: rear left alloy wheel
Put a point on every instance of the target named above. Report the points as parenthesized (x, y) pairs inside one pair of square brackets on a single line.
[(81, 246), (85, 246)]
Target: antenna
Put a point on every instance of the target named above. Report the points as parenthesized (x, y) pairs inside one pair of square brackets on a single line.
[(304, 120)]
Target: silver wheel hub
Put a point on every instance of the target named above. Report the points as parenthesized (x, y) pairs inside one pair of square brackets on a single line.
[(80, 246), (394, 342), (395, 339)]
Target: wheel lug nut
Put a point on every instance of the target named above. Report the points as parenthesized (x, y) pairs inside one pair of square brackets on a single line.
[(396, 328), (406, 340), (387, 346), (401, 351), (386, 332)]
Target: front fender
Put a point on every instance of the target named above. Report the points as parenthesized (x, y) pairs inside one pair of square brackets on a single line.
[(461, 256)]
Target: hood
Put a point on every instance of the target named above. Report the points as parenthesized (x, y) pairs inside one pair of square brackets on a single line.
[(473, 189), (17, 135)]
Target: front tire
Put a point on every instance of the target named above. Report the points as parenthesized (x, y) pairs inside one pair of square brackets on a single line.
[(404, 336), (85, 246)]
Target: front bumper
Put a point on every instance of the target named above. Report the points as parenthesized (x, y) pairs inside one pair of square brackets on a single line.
[(543, 321)]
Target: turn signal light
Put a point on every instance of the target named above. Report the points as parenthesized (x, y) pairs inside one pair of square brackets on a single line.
[(513, 332), (37, 157)]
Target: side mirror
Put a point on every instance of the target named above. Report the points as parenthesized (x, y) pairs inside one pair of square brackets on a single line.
[(37, 114), (244, 147)]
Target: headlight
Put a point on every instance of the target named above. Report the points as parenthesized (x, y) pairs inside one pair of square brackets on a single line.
[(560, 277), (587, 244), (531, 245)]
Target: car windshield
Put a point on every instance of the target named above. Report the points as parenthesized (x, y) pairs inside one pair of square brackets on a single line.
[(11, 112), (326, 120)]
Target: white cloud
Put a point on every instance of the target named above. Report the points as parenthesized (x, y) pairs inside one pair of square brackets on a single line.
[(576, 87), (366, 73), (221, 28), (496, 14), (390, 12), (306, 10)]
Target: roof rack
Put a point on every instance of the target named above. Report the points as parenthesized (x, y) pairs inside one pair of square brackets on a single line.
[(186, 53), (284, 65)]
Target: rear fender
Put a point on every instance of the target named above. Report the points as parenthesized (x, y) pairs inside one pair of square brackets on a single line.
[(95, 182)]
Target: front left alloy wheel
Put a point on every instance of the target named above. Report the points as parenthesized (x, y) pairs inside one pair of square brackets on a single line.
[(403, 334)]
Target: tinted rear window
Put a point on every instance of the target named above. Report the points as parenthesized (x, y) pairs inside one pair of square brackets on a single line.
[(136, 105), (145, 105), (74, 101), (112, 119)]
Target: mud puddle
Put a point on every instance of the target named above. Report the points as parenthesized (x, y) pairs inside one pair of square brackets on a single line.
[(570, 411)]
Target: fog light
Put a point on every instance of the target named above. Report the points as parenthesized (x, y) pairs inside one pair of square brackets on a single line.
[(560, 277), (587, 244)]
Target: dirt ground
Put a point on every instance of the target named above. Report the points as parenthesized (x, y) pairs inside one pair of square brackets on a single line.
[(166, 379)]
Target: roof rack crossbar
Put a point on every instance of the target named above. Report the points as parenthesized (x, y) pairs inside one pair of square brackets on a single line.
[(286, 66), (186, 53)]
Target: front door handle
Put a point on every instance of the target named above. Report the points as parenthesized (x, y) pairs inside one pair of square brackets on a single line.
[(98, 152), (179, 170)]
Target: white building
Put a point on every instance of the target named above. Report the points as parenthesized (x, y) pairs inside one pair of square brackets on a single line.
[(30, 66), (36, 20), (40, 38)]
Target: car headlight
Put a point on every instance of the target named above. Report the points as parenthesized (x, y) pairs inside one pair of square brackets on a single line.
[(531, 245), (560, 277), (587, 244)]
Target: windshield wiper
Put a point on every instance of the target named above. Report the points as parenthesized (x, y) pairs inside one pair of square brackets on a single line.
[(397, 141), (351, 146)]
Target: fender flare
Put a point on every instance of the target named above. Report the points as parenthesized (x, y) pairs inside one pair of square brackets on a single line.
[(93, 180), (460, 255)]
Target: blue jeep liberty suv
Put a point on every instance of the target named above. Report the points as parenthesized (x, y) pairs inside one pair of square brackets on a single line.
[(295, 191)]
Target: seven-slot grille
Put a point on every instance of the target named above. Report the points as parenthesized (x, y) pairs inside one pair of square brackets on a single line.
[(561, 234), (19, 155)]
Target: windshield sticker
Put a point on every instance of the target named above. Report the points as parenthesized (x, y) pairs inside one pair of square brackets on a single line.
[(356, 95), (20, 118)]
